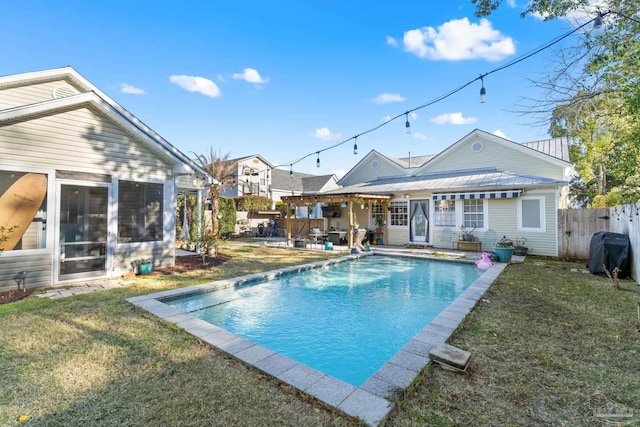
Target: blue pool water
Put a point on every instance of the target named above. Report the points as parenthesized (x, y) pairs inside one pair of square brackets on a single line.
[(345, 320)]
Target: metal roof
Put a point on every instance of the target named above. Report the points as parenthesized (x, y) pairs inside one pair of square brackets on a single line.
[(462, 180)]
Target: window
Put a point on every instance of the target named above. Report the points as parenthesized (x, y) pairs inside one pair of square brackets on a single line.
[(473, 213), (140, 208), (444, 214), (531, 214), (377, 214), (399, 216), (26, 227)]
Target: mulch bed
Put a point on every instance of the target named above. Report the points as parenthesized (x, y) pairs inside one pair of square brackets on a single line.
[(191, 263), (14, 295)]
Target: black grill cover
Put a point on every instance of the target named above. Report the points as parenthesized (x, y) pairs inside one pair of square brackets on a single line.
[(610, 249)]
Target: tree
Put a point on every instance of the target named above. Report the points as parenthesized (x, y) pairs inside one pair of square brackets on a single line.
[(592, 97), (220, 168)]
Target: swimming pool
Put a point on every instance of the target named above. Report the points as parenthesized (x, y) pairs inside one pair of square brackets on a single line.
[(346, 320), (371, 401)]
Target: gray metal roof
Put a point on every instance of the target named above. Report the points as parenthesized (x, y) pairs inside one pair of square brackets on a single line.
[(413, 161), (556, 147), (462, 180)]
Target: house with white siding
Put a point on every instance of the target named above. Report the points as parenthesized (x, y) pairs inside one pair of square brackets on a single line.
[(86, 188), (488, 184)]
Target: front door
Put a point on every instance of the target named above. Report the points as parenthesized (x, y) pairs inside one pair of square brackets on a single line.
[(83, 231), (419, 221)]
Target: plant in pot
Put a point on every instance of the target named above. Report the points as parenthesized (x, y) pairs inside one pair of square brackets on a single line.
[(379, 223), (504, 249), (466, 233), (520, 249)]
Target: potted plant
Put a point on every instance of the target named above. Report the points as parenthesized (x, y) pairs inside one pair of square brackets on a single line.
[(367, 247), (520, 249), (504, 249), (466, 234), (141, 266)]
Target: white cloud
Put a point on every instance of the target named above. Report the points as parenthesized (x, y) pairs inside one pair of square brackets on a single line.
[(197, 84), (325, 134), (457, 40), (511, 3), (386, 98), (392, 41), (250, 75), (386, 118), (127, 88), (413, 116), (453, 119), (418, 135)]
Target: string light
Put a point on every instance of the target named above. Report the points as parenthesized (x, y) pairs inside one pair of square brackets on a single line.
[(355, 145), (291, 170), (483, 91), (453, 91)]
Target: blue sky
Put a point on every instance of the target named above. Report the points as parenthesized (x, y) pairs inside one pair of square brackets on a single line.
[(287, 78)]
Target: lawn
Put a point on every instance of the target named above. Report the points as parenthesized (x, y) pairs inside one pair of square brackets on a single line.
[(549, 347)]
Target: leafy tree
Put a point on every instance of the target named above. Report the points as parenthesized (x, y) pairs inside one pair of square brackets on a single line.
[(592, 97)]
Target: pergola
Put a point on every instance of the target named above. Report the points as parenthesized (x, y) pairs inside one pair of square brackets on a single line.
[(350, 198)]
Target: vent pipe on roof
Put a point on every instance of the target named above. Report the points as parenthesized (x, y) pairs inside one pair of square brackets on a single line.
[(409, 159)]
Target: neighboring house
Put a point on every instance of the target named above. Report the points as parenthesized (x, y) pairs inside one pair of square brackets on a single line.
[(492, 185), (285, 183), (251, 177), (89, 186)]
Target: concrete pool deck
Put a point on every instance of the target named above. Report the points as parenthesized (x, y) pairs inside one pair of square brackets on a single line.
[(369, 402)]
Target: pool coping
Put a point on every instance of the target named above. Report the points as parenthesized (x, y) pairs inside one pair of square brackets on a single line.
[(369, 402)]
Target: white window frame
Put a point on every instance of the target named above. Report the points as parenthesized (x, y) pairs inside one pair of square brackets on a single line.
[(543, 224), (51, 211), (435, 211), (390, 216), (485, 213)]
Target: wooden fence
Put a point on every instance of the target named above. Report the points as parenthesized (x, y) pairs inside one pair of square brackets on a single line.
[(577, 226)]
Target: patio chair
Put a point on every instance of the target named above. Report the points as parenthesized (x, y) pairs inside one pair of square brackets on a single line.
[(317, 236)]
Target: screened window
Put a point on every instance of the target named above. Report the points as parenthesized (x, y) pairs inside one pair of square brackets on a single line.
[(399, 216), (140, 208), (444, 214), (23, 224), (473, 213), (531, 215)]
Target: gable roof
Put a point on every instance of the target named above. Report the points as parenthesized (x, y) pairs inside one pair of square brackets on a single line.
[(451, 181), (536, 149), (396, 164), (304, 183), (98, 99), (258, 156)]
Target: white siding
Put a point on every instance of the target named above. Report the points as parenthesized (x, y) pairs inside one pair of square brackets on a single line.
[(79, 140), (38, 268), (495, 155), (34, 93)]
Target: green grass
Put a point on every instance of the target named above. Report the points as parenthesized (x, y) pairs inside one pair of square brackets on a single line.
[(547, 344)]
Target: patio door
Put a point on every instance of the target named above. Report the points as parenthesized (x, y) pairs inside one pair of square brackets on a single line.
[(419, 220), (82, 231)]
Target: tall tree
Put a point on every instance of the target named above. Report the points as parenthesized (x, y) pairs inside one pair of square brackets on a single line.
[(219, 167)]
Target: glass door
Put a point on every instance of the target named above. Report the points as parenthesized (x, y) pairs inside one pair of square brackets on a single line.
[(83, 231), (419, 221)]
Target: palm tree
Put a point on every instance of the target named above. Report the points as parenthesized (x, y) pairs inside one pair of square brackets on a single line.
[(220, 168)]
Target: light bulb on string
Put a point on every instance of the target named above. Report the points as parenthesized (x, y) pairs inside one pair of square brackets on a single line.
[(407, 125), (483, 92), (291, 171), (318, 160), (355, 145)]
